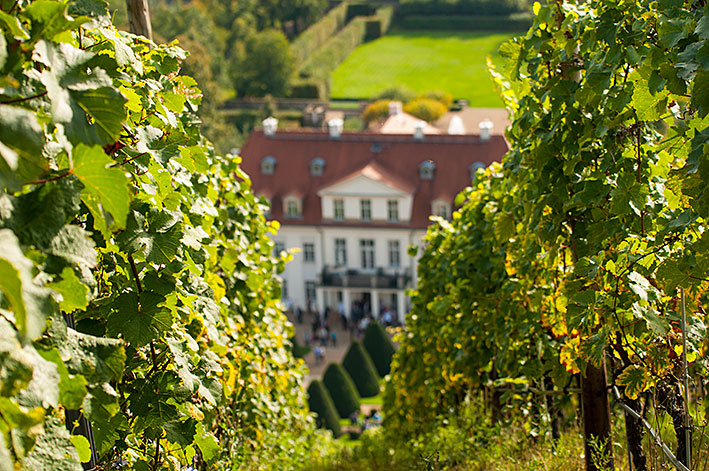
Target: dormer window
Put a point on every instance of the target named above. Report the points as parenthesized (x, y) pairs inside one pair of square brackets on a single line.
[(292, 207), (268, 165), (317, 166), (474, 169), (426, 170)]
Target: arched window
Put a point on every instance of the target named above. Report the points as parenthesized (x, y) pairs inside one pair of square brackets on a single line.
[(317, 166), (426, 170), (268, 165)]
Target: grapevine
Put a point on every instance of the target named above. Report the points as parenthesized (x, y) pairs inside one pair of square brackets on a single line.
[(566, 261), (138, 289)]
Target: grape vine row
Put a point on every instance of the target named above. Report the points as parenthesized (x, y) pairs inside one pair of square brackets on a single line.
[(138, 288)]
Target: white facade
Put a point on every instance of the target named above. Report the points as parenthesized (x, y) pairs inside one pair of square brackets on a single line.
[(360, 260)]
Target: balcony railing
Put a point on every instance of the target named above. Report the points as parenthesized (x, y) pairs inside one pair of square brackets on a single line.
[(365, 279)]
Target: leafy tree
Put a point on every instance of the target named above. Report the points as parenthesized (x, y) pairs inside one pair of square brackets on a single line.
[(266, 67), (427, 109)]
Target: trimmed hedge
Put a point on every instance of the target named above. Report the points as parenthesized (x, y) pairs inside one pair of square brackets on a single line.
[(309, 88), (319, 33), (315, 72), (516, 22), (359, 365), (320, 402), (461, 7), (322, 63), (379, 346), (342, 389), (378, 25)]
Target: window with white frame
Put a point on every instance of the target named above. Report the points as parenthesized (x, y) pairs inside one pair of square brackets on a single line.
[(394, 253), (309, 252), (292, 207), (310, 293), (268, 165), (393, 211), (366, 247), (441, 209), (365, 209), (340, 252), (339, 210), (278, 247), (284, 289)]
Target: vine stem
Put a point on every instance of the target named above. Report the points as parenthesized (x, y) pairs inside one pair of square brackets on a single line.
[(47, 180), (157, 453), (135, 273), (20, 100)]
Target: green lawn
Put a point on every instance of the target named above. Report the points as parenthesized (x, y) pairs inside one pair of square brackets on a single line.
[(426, 60)]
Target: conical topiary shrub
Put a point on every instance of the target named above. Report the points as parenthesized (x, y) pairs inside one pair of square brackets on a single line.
[(341, 389), (320, 402), (361, 369), (379, 346)]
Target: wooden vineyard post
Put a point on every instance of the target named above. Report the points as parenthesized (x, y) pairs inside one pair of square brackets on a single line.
[(139, 18), (596, 419)]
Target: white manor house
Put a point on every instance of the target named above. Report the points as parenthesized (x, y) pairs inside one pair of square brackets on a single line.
[(352, 203)]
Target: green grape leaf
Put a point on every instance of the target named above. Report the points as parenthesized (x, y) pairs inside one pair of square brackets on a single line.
[(139, 319), (700, 92), (53, 449), (29, 302), (180, 431), (159, 242), (104, 187), (207, 443), (17, 366), (49, 19), (649, 107), (21, 142), (5, 457), (72, 388), (43, 389), (3, 51), (635, 379), (13, 25), (98, 359), (97, 116), (702, 29), (655, 323), (74, 293), (83, 447)]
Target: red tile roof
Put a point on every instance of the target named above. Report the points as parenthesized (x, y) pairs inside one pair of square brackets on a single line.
[(394, 158)]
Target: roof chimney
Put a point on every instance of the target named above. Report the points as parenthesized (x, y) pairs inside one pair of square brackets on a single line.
[(485, 129), (395, 107), (456, 126), (419, 126), (335, 127), (270, 125)]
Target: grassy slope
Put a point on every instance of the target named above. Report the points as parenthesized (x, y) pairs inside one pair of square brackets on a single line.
[(425, 60)]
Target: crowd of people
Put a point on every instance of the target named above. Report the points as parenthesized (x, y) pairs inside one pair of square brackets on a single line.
[(322, 333)]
